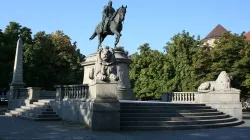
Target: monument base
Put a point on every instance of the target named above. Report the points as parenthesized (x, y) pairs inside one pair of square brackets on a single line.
[(227, 101), (17, 103), (105, 115), (125, 94)]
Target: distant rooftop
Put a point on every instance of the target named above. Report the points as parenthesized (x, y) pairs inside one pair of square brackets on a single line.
[(216, 32), (247, 36)]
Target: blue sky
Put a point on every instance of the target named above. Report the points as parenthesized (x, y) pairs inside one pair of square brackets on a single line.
[(147, 21)]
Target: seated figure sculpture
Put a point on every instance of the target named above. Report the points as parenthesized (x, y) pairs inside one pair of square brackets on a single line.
[(223, 82), (105, 67)]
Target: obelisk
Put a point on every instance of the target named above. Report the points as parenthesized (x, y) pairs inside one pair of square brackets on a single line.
[(17, 79)]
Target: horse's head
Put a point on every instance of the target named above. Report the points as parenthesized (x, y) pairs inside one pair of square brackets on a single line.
[(122, 12)]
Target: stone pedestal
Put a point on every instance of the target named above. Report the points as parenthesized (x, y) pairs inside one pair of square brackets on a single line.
[(15, 89), (104, 107), (59, 92), (124, 91), (226, 101), (34, 94), (103, 90), (105, 115)]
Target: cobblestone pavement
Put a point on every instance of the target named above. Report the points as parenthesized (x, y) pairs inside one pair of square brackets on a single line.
[(19, 129)]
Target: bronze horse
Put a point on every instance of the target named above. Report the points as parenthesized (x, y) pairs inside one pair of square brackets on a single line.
[(115, 27)]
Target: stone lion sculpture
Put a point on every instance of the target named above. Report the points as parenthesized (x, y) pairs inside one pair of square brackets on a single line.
[(223, 82), (105, 67)]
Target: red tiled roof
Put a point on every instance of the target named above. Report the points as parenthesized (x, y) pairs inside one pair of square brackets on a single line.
[(247, 36), (216, 32)]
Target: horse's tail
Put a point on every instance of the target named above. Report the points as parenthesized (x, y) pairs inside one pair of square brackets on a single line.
[(93, 36)]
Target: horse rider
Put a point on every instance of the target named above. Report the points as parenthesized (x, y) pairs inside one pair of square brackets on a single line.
[(107, 14)]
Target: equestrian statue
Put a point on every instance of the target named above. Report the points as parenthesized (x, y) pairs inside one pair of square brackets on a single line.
[(111, 24)]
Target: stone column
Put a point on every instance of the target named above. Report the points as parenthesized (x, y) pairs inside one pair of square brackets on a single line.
[(17, 79), (124, 91)]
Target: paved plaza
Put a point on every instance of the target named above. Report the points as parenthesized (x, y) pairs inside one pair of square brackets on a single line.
[(20, 129)]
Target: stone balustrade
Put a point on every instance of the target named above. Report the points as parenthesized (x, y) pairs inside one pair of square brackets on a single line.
[(191, 97), (227, 101), (72, 92)]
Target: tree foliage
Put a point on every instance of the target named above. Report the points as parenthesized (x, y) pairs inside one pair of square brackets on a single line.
[(49, 59), (187, 63), (149, 72)]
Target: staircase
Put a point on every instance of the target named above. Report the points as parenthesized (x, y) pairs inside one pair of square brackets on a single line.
[(38, 111), (171, 116)]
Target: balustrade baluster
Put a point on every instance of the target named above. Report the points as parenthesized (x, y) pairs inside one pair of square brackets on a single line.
[(65, 92), (77, 92), (70, 92), (80, 93), (86, 89)]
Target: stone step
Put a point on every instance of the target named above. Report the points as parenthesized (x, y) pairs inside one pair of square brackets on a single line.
[(8, 114), (32, 105), (48, 112), (165, 107), (46, 101), (188, 118), (40, 103), (47, 116), (159, 104), (39, 119), (172, 123), (46, 109), (149, 110), (169, 114), (15, 112), (21, 109), (27, 107), (31, 114), (182, 127)]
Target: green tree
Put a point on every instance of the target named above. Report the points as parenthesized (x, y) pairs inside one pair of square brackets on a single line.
[(52, 60), (8, 40), (230, 53), (181, 52), (149, 73)]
